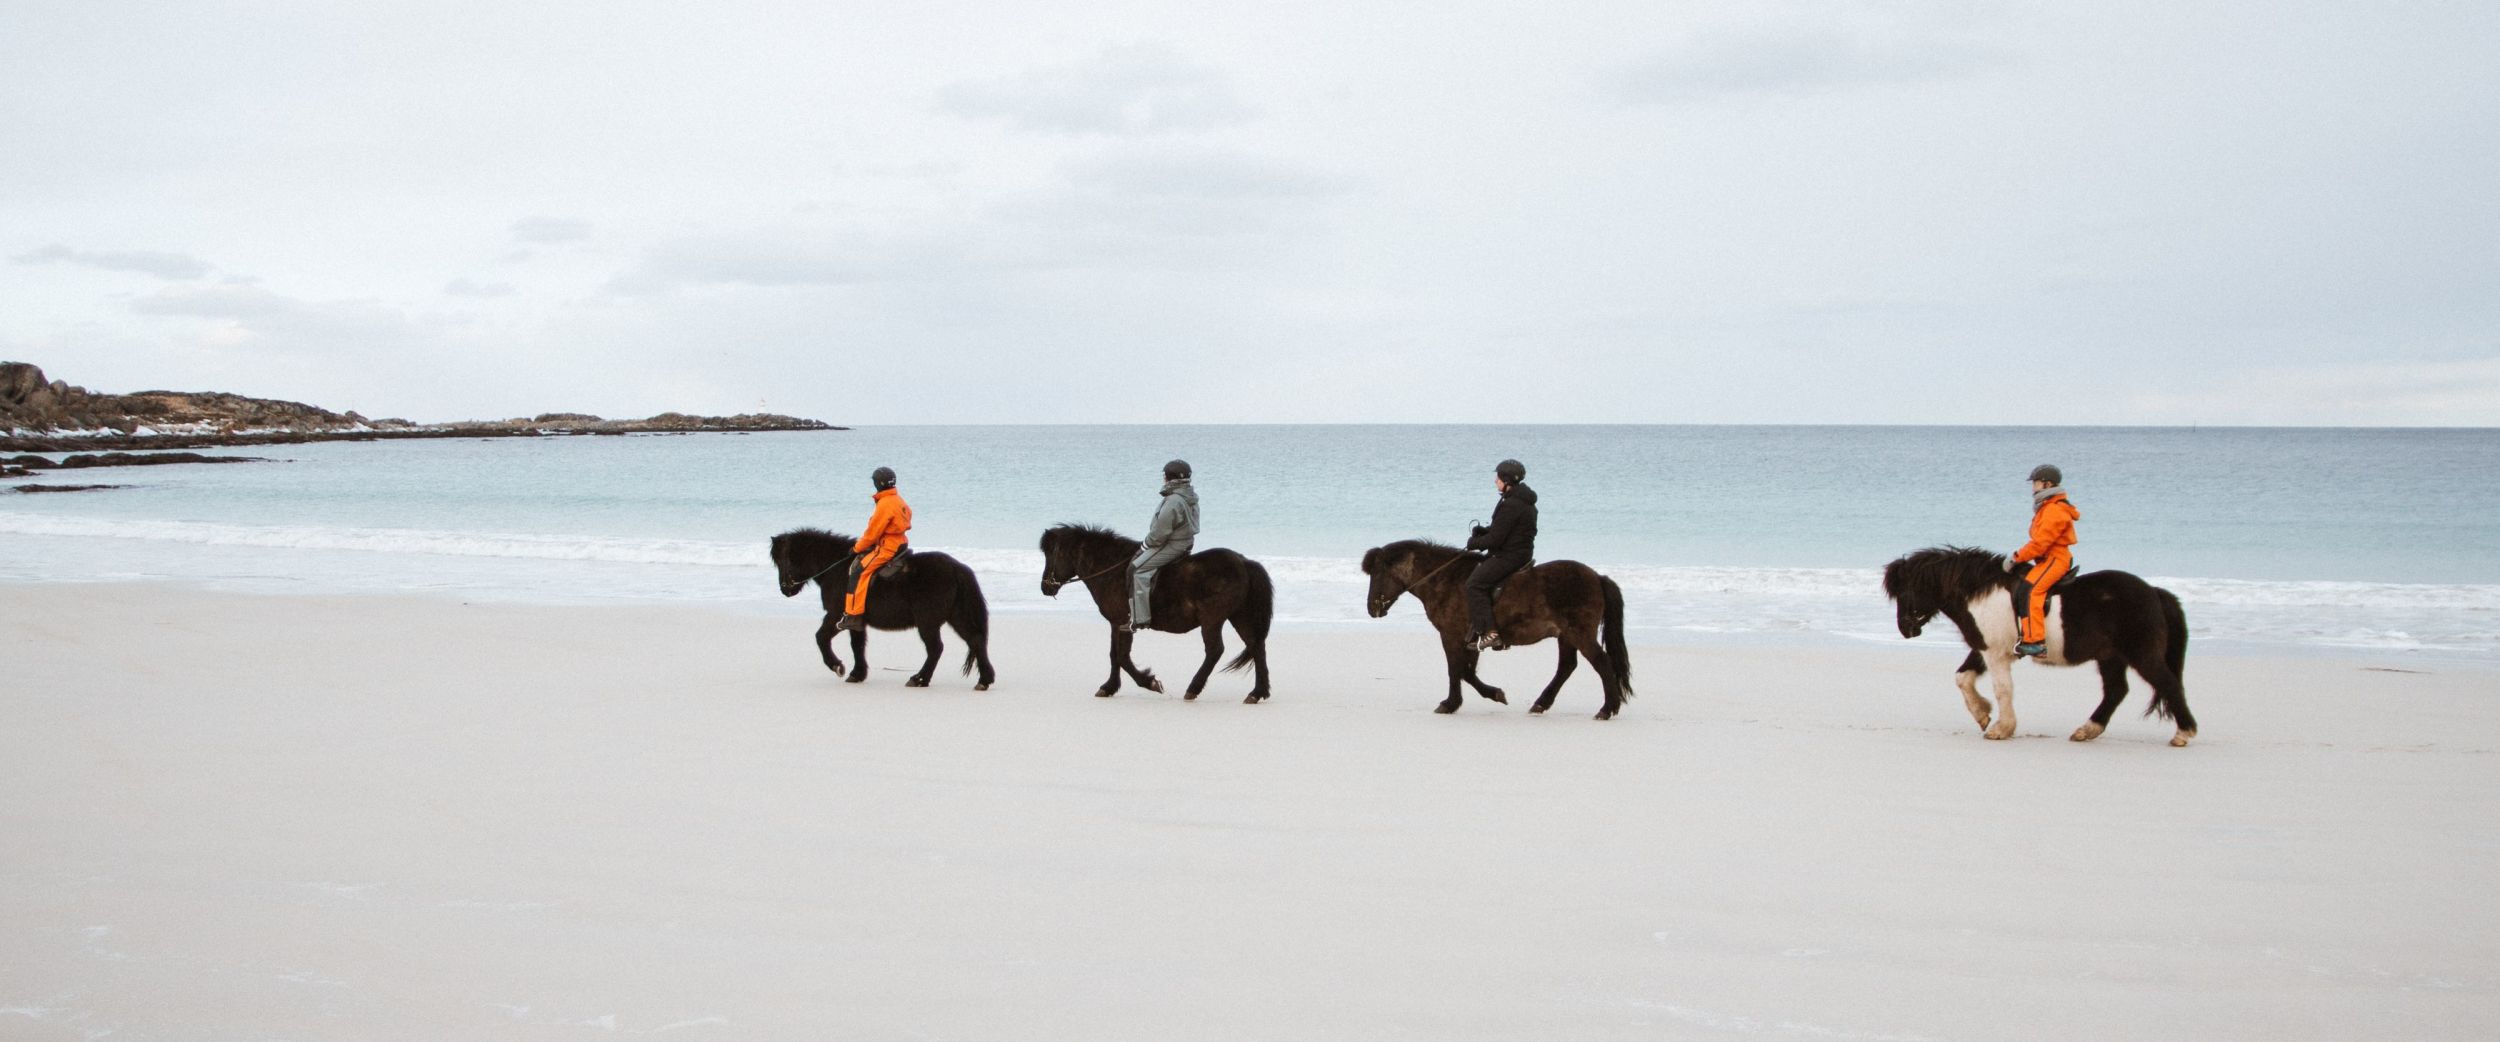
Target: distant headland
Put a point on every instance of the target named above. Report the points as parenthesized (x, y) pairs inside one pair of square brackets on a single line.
[(40, 415)]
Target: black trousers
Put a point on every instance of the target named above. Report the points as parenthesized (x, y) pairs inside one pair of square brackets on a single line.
[(1480, 586)]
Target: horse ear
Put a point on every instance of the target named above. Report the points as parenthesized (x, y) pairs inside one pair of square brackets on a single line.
[(1371, 560)]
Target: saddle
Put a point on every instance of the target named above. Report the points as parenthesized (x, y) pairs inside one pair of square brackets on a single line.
[(2022, 589), (897, 568)]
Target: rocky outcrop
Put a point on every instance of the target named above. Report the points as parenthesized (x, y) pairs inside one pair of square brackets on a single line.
[(83, 461), (40, 415)]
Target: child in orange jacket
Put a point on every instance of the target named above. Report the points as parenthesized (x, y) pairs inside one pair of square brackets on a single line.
[(877, 545), (2052, 532)]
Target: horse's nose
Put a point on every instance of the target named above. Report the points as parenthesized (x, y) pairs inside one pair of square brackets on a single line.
[(1050, 589)]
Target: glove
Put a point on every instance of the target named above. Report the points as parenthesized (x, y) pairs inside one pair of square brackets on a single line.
[(2013, 565)]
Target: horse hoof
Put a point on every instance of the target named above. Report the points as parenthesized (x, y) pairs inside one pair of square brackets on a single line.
[(1102, 692), (982, 686), (1496, 696), (1254, 700), (2181, 739), (1446, 708), (2085, 733), (1605, 714), (1997, 734), (1153, 685), (1538, 709), (857, 675)]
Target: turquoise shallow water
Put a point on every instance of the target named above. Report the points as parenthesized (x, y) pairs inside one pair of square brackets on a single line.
[(2305, 537)]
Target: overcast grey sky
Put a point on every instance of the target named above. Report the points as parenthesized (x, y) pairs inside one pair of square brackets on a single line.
[(2107, 212)]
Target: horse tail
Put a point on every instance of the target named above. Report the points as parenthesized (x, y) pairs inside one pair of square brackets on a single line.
[(1258, 609), (2170, 699), (972, 616), (1616, 652)]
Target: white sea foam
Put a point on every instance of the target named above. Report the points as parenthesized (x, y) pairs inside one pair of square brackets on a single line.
[(1837, 603)]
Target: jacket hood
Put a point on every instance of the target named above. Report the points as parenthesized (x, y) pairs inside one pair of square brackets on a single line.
[(1181, 487), (1521, 492)]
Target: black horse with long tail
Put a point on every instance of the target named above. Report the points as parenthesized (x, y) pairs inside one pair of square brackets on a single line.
[(1202, 592), (935, 590)]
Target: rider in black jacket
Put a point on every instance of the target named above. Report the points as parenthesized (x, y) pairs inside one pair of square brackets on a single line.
[(1511, 542)]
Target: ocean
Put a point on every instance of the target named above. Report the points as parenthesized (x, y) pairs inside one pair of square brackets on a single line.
[(2275, 539)]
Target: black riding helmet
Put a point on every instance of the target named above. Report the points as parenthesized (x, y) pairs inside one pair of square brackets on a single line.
[(2049, 473), (883, 477), (1177, 470), (1511, 471)]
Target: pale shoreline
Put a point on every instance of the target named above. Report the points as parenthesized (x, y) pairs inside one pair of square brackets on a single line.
[(246, 816)]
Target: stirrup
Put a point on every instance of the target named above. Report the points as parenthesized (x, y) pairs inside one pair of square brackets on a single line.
[(1489, 640)]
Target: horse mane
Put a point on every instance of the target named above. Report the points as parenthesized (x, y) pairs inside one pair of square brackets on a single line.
[(815, 535), (1409, 547), (1943, 574), (1087, 537)]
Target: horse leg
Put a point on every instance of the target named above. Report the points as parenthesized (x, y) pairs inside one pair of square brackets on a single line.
[(980, 658), (824, 643), (1145, 678), (1258, 668), (2001, 677), (1483, 690), (1461, 662), (2113, 691), (1967, 678), (859, 656), (1604, 664), (1562, 672), (2171, 691), (936, 644), (1119, 650), (1213, 633)]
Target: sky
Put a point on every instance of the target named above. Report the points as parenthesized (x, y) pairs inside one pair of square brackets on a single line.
[(2178, 212)]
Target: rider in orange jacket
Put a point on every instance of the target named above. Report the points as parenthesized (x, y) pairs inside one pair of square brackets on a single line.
[(877, 545), (2052, 532)]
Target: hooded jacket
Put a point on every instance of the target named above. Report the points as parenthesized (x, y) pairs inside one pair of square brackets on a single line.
[(2052, 527), (1513, 531), (886, 527), (1176, 518)]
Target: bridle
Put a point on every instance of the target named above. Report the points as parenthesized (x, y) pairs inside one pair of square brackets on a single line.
[(1436, 570), (1113, 567), (846, 559)]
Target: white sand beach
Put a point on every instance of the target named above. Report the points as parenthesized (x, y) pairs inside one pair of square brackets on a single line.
[(239, 817)]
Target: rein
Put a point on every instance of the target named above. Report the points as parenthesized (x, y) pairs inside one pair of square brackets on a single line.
[(1115, 566), (1419, 581), (853, 556)]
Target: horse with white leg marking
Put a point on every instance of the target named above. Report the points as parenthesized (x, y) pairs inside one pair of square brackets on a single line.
[(2111, 618)]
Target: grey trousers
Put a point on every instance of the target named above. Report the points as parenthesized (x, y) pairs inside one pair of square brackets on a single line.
[(1142, 577)]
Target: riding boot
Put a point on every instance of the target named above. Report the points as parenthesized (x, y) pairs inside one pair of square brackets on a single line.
[(2031, 648), (851, 622)]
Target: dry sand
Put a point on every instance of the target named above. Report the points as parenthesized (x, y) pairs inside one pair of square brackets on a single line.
[(234, 817)]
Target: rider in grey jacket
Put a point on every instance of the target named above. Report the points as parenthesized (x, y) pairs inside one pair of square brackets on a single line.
[(1169, 538)]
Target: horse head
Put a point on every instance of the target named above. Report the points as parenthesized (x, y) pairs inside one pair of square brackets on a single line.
[(792, 581), (1052, 580), (1385, 587), (1923, 583)]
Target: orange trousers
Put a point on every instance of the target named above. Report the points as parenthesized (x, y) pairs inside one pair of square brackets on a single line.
[(857, 602), (2044, 574)]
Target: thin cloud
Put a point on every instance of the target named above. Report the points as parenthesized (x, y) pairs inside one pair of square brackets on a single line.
[(764, 258), (1789, 62), (550, 229), (1133, 91), (161, 264), (468, 288)]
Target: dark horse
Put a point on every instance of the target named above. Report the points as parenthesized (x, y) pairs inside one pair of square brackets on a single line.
[(935, 591), (1564, 599), (2112, 618), (1202, 592)]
